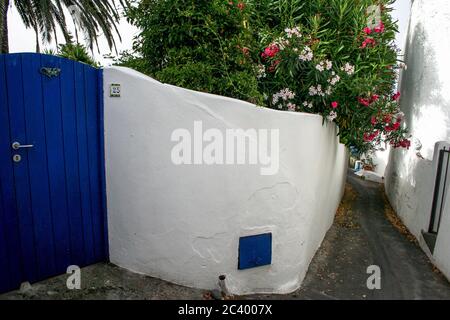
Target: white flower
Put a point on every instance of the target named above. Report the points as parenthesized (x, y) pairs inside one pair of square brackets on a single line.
[(312, 91), (281, 43), (284, 94), (320, 67), (400, 115), (291, 106), (327, 64), (261, 71), (293, 32), (348, 68), (287, 94), (316, 91), (334, 80), (306, 54), (275, 99), (332, 116), (308, 104), (403, 65)]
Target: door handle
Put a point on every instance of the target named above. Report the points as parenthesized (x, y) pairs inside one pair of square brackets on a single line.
[(17, 146)]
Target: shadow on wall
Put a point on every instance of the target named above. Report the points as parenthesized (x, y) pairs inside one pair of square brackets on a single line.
[(422, 98), (421, 102), (409, 178)]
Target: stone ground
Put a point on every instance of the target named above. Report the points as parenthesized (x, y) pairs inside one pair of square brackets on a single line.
[(366, 232)]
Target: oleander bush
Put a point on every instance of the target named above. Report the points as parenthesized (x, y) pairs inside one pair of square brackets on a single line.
[(331, 57), (202, 45)]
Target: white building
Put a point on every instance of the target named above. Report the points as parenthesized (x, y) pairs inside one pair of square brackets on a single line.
[(415, 182)]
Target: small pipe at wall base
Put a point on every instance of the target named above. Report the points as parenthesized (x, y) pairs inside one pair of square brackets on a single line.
[(223, 287)]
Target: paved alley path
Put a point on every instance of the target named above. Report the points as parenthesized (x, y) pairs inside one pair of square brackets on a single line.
[(361, 237)]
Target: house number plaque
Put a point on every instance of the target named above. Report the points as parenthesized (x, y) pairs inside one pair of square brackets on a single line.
[(115, 90)]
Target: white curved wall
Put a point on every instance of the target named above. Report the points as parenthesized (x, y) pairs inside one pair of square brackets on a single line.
[(183, 223)]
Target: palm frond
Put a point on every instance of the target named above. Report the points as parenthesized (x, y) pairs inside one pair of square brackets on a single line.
[(94, 18)]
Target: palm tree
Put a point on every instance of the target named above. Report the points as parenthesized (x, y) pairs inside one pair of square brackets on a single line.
[(46, 17), (4, 4), (76, 52)]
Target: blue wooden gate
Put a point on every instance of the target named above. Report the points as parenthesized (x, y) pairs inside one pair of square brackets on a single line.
[(52, 203)]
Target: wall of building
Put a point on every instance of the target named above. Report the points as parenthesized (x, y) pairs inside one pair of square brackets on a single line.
[(182, 223), (410, 175), (441, 254)]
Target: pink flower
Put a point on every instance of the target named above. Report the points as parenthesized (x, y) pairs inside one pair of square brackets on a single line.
[(393, 127), (373, 121), (368, 137), (387, 118), (364, 102), (380, 28), (271, 51), (405, 143), (273, 66), (374, 98), (334, 104), (245, 51), (368, 42), (367, 30), (241, 5), (396, 96), (396, 126)]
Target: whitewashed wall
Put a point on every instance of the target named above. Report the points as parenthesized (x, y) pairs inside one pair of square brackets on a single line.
[(183, 223), (425, 101)]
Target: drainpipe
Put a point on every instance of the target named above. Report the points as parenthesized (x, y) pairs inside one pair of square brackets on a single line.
[(223, 286)]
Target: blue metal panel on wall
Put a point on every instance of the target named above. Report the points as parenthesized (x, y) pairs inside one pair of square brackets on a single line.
[(52, 208), (255, 251)]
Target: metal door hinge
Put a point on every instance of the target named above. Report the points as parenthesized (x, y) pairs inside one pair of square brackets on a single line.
[(50, 72)]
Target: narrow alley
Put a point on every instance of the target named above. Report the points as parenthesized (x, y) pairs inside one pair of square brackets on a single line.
[(361, 236)]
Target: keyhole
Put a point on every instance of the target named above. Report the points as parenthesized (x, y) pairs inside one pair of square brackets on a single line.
[(17, 158)]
